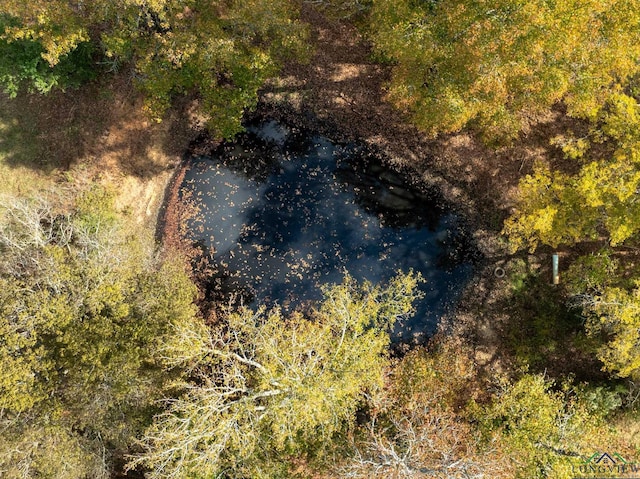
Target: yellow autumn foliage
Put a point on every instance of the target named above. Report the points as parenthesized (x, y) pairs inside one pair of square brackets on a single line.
[(498, 64)]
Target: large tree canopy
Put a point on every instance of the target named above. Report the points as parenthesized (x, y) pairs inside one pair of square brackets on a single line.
[(84, 309), (499, 63), (604, 190), (224, 50), (268, 386)]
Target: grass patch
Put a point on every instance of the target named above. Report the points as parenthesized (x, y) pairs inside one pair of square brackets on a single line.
[(21, 155)]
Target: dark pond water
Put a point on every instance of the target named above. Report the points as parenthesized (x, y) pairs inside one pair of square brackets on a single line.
[(281, 211)]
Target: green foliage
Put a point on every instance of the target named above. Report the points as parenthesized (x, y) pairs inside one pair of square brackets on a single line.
[(48, 451), (541, 329), (94, 211), (605, 194), (22, 64), (225, 57), (614, 314), (546, 212), (435, 418), (24, 60), (415, 428), (519, 272), (591, 272), (620, 121), (597, 203), (611, 306), (438, 378), (269, 386), (84, 310), (55, 25), (544, 430), (499, 64), (600, 401), (573, 148)]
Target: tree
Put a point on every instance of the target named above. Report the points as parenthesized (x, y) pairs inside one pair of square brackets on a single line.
[(604, 189), (611, 305), (437, 417), (223, 51), (598, 203), (22, 64), (615, 313), (267, 386), (499, 64), (84, 309), (544, 431), (30, 449)]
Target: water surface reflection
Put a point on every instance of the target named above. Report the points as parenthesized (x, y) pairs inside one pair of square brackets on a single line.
[(281, 211)]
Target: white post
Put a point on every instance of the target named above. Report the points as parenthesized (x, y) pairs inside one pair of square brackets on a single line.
[(556, 274)]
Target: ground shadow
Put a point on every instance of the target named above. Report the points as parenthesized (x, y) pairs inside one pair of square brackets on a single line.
[(101, 125), (538, 331)]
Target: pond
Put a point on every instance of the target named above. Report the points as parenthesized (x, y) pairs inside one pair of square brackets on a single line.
[(281, 211)]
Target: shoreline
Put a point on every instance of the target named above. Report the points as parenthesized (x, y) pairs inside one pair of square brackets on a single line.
[(340, 94)]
